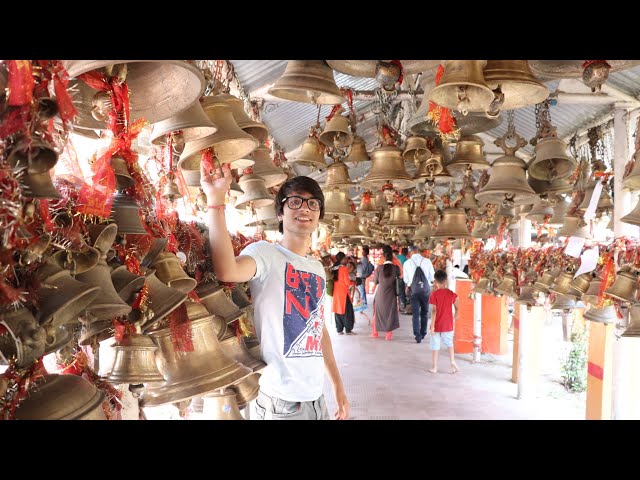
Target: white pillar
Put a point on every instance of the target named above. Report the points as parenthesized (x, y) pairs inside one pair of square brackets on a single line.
[(525, 386), (626, 386), (477, 327)]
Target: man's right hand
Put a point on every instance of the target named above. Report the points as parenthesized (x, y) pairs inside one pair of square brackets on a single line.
[(215, 183)]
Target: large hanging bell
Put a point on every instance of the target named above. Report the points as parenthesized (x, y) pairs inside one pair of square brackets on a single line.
[(453, 224), (551, 161), (540, 211), (632, 181), (23, 341), (400, 217), (255, 192), (76, 261), (348, 227), (516, 81), (506, 286), (108, 305), (193, 124), (190, 373), (171, 191), (480, 228), (170, 272), (265, 168), (159, 89), (121, 171), (221, 405), (580, 284), (526, 296), (126, 214), (560, 208), (483, 286), (591, 295), (264, 216), (387, 166), (336, 203), (246, 390), (102, 237), (37, 185), (468, 154), (367, 206), (337, 176), (337, 132), (217, 302), (311, 154), (542, 187), (564, 303), (575, 227), (508, 183), (127, 283), (424, 231), (606, 314), (135, 361), (563, 286), (625, 286), (633, 217), (416, 150), (253, 128), (358, 151), (368, 68), (162, 301), (463, 87), (308, 81), (633, 330), (35, 155), (235, 349), (588, 193)]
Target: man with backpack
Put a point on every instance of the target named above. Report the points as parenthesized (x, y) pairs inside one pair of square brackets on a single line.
[(364, 270), (418, 275)]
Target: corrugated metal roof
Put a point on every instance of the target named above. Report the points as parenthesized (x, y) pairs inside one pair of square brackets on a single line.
[(254, 74), (627, 80)]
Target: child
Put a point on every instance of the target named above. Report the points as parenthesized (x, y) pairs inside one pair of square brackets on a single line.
[(442, 320), (358, 303)]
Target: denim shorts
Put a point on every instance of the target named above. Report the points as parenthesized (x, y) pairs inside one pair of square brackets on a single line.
[(447, 340), (271, 408)]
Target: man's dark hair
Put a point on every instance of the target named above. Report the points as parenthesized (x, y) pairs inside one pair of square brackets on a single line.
[(405, 251), (440, 276), (300, 184), (456, 266), (365, 250)]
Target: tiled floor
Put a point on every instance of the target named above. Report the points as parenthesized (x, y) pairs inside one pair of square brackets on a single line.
[(389, 380)]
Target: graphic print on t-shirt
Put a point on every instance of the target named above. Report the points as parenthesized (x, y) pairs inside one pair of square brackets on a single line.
[(303, 313)]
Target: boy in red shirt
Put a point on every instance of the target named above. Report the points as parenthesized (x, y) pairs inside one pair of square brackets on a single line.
[(442, 319)]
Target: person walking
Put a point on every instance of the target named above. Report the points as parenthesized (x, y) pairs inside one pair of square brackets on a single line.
[(444, 302), (418, 275), (342, 306), (386, 301)]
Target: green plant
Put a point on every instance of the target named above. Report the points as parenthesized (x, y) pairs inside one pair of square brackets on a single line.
[(574, 368)]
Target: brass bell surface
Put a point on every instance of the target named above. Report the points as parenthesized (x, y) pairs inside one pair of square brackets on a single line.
[(95, 332), (588, 193), (336, 203), (337, 176), (235, 190), (420, 123), (591, 294), (479, 229), (475, 123), (633, 217), (423, 232), (633, 330), (575, 227), (560, 208), (102, 237), (367, 68), (121, 171), (255, 192), (36, 250), (265, 168), (125, 213), (189, 374), (157, 246), (337, 132), (508, 183), (126, 283), (545, 281), (253, 128), (483, 286), (546, 187), (524, 210), (453, 224), (367, 206), (563, 302), (171, 191), (162, 300), (526, 296), (78, 261), (492, 229), (632, 181), (191, 177), (235, 349), (348, 227), (23, 341), (37, 185), (264, 216), (624, 287), (34, 155), (562, 285), (61, 297), (246, 390), (551, 161), (463, 87), (505, 287), (57, 338), (308, 81), (606, 314), (221, 405), (581, 284), (540, 211), (311, 154), (193, 124), (358, 151), (444, 176), (400, 217), (108, 304), (416, 149), (240, 298), (159, 89), (215, 300), (62, 397), (135, 361), (387, 166), (515, 79), (469, 152), (170, 272)]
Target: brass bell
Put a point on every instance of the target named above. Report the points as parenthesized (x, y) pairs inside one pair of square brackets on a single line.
[(235, 190), (563, 285), (348, 227), (193, 124), (575, 227), (423, 232), (57, 338), (170, 272), (479, 229), (265, 168), (369, 68), (23, 341), (121, 171), (524, 210), (191, 373), (544, 283), (416, 150), (548, 187), (246, 390), (37, 185), (307, 81), (337, 176), (126, 283), (34, 154), (453, 224), (61, 297), (62, 397), (492, 229), (483, 286), (157, 246), (311, 154), (108, 305), (162, 300), (387, 166), (606, 314), (563, 302), (235, 349), (526, 296), (358, 151), (135, 361), (400, 217), (540, 211), (632, 181), (588, 193), (191, 177), (336, 203), (605, 203), (469, 153), (515, 79), (255, 192), (420, 124), (171, 191), (633, 330), (381, 202), (592, 293), (221, 405), (463, 87), (36, 250), (551, 162), (624, 287), (265, 216), (367, 206), (337, 132), (508, 183), (431, 210), (633, 217), (239, 297), (253, 128), (428, 169), (580, 284), (214, 298), (76, 261), (475, 123), (560, 208), (102, 237), (159, 89), (95, 332), (125, 213)]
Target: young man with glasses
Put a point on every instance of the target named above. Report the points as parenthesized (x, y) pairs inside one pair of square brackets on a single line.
[(288, 291)]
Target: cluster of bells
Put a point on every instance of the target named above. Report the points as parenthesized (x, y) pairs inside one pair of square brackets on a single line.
[(82, 292), (569, 292)]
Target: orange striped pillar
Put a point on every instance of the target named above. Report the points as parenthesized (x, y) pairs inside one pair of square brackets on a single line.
[(495, 323), (600, 370), (463, 336)]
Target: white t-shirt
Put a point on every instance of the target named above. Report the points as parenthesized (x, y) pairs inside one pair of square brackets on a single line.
[(288, 293)]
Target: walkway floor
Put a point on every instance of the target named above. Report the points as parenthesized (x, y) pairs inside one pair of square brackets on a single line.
[(388, 380)]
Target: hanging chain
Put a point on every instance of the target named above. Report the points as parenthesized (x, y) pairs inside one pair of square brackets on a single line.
[(572, 146), (511, 128)]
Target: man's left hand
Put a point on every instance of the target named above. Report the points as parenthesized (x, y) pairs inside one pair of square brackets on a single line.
[(342, 412)]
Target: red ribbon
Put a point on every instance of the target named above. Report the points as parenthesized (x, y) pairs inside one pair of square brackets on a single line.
[(20, 82), (180, 326)]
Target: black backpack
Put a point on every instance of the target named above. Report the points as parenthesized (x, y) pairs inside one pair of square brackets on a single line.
[(419, 284)]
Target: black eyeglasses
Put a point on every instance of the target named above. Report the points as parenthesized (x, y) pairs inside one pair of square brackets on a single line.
[(295, 202)]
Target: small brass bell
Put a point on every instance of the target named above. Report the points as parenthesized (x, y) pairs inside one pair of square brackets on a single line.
[(563, 302), (575, 227), (469, 153), (624, 287), (308, 81), (121, 170), (416, 150), (255, 192), (606, 314), (540, 211), (367, 206), (526, 296), (34, 154), (253, 128), (348, 227), (171, 191), (37, 185), (170, 272), (311, 154), (337, 132), (337, 176), (387, 166), (135, 361), (453, 224), (265, 168), (551, 162), (483, 286), (592, 293), (358, 152), (336, 203)]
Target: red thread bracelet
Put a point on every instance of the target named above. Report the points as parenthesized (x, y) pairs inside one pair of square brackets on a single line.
[(209, 207)]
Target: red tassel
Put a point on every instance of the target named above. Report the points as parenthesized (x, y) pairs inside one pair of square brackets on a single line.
[(20, 82), (180, 325), (65, 105)]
